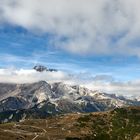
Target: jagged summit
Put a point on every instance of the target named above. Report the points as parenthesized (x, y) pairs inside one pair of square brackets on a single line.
[(41, 68), (42, 98)]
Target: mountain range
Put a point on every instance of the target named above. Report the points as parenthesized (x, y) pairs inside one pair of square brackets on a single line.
[(42, 99)]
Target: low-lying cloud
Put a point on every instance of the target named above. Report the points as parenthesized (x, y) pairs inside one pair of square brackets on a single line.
[(104, 83), (30, 76), (129, 88), (100, 27)]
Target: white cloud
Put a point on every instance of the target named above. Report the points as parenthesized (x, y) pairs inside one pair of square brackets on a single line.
[(107, 27), (105, 83), (121, 88), (88, 25), (29, 76)]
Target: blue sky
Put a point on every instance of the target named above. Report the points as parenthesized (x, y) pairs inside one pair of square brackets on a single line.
[(23, 49), (94, 40)]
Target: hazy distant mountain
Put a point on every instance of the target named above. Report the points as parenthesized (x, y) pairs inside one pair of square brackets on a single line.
[(42, 99)]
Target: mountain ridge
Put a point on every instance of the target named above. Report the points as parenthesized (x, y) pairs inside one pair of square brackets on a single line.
[(55, 98)]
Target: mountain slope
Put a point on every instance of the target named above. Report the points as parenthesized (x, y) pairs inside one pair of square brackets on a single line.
[(42, 99), (118, 124)]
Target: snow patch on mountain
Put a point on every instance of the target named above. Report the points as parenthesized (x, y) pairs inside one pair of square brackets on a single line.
[(41, 97), (59, 96)]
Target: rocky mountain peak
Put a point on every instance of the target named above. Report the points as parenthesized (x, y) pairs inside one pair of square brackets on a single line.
[(41, 68), (57, 97)]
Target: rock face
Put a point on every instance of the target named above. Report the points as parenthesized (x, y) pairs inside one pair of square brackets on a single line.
[(42, 99), (41, 68), (13, 103)]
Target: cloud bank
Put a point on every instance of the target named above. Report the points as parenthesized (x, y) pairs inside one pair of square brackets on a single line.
[(104, 83), (100, 27), (29, 76)]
